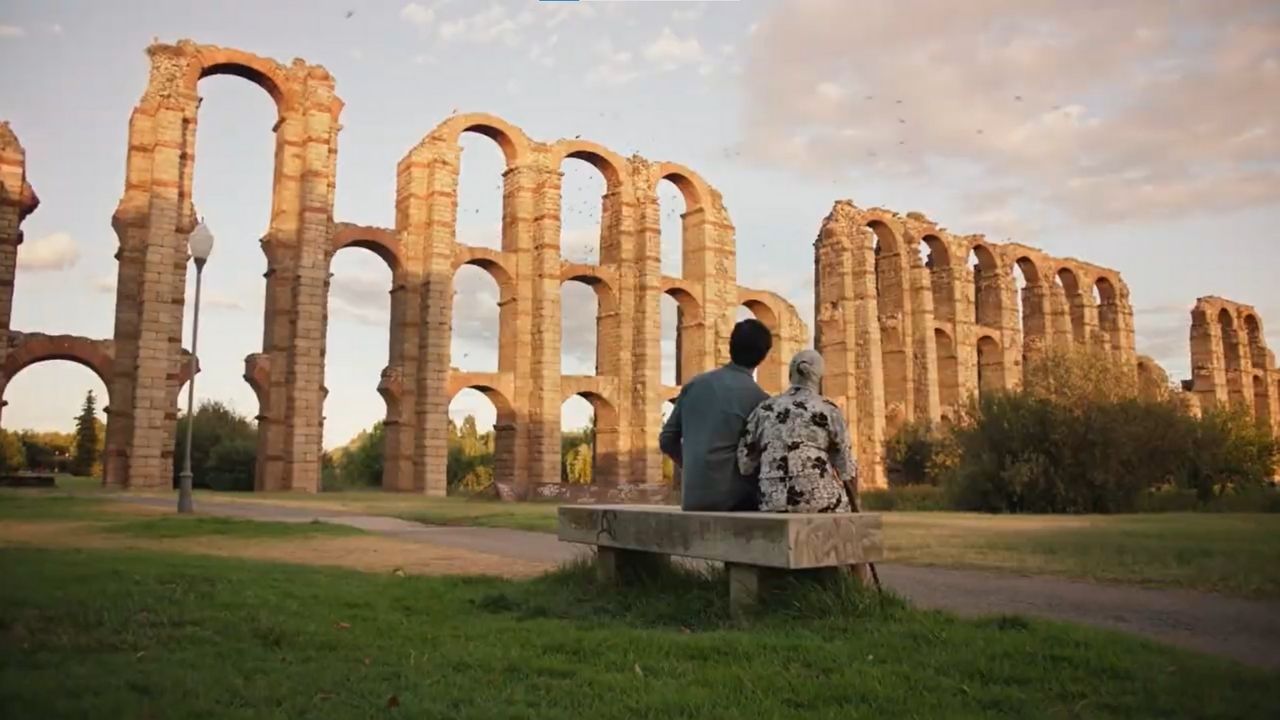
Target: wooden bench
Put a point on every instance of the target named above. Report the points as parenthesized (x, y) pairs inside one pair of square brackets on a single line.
[(754, 546)]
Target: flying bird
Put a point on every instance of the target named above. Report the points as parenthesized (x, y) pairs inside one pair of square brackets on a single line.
[(350, 13), (1017, 98)]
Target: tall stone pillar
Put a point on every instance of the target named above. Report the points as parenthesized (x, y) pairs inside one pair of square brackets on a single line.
[(17, 201), (397, 385), (641, 278), (847, 334), (540, 254), (426, 209)]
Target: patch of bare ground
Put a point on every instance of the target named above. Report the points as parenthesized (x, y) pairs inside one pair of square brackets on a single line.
[(368, 553)]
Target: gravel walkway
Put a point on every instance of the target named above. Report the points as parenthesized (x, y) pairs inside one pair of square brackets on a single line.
[(1245, 630)]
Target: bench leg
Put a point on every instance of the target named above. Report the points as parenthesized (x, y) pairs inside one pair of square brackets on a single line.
[(614, 566), (746, 584)]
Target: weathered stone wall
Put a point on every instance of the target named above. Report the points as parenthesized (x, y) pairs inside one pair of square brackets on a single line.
[(914, 320), (1231, 365)]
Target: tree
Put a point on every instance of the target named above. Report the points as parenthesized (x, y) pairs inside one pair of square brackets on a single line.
[(216, 424), (85, 456), (361, 461), (13, 455), (577, 465)]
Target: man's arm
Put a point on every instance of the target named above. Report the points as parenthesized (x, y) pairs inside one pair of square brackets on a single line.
[(671, 439)]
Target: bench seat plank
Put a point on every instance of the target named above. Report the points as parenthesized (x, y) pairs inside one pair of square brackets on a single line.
[(777, 540)]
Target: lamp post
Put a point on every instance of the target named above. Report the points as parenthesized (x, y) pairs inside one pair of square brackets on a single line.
[(200, 243)]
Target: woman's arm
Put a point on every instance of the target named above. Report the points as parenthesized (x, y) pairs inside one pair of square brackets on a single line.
[(749, 446)]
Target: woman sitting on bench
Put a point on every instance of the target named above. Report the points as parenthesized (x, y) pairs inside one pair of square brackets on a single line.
[(798, 443)]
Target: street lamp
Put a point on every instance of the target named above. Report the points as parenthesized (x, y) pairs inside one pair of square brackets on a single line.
[(200, 243)]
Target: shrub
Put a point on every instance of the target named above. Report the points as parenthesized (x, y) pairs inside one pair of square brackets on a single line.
[(911, 498), (920, 454), (231, 465)]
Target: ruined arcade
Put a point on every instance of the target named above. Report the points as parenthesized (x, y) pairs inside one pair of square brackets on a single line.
[(913, 320), (144, 365)]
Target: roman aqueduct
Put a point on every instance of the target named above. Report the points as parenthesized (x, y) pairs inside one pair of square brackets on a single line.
[(913, 320)]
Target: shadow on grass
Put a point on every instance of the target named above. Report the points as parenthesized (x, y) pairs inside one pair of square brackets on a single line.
[(685, 597), (203, 526)]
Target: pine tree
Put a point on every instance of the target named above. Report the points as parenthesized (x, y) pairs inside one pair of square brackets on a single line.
[(86, 448)]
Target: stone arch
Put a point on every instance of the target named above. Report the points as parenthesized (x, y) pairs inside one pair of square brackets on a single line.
[(892, 293), (939, 265), (695, 190), (1230, 340), (1107, 298), (1261, 401), (990, 365), (96, 355), (1075, 303), (584, 216), (602, 295), (689, 322), (504, 426), (491, 263), (511, 140), (1257, 346), (1232, 362), (609, 163), (380, 241), (1033, 313), (986, 286), (770, 374), (263, 72), (605, 462)]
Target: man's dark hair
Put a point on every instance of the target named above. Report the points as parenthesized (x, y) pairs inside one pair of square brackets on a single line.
[(749, 343)]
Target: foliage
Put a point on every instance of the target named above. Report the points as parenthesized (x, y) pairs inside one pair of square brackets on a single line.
[(920, 454), (905, 498), (1228, 451), (217, 425), (577, 457), (360, 462), (47, 451), (13, 454), (1069, 444), (231, 465), (86, 453), (276, 640), (1078, 377), (470, 457)]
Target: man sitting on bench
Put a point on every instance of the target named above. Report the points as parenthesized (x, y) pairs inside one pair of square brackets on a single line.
[(701, 434)]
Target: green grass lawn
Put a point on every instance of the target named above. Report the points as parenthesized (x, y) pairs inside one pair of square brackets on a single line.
[(1233, 553), (137, 634), (174, 526)]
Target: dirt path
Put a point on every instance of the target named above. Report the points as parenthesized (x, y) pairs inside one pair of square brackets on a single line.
[(1245, 630)]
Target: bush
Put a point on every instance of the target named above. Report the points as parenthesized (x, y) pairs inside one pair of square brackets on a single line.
[(912, 498), (215, 425), (231, 465), (919, 454)]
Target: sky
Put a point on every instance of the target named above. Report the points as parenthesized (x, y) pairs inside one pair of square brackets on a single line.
[(1142, 136)]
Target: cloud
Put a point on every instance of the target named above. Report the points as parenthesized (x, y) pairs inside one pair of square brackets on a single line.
[(356, 53), (613, 68), (56, 29), (486, 26), (669, 51), (417, 14), (223, 302), (1098, 117), (53, 252), (104, 284), (11, 31)]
